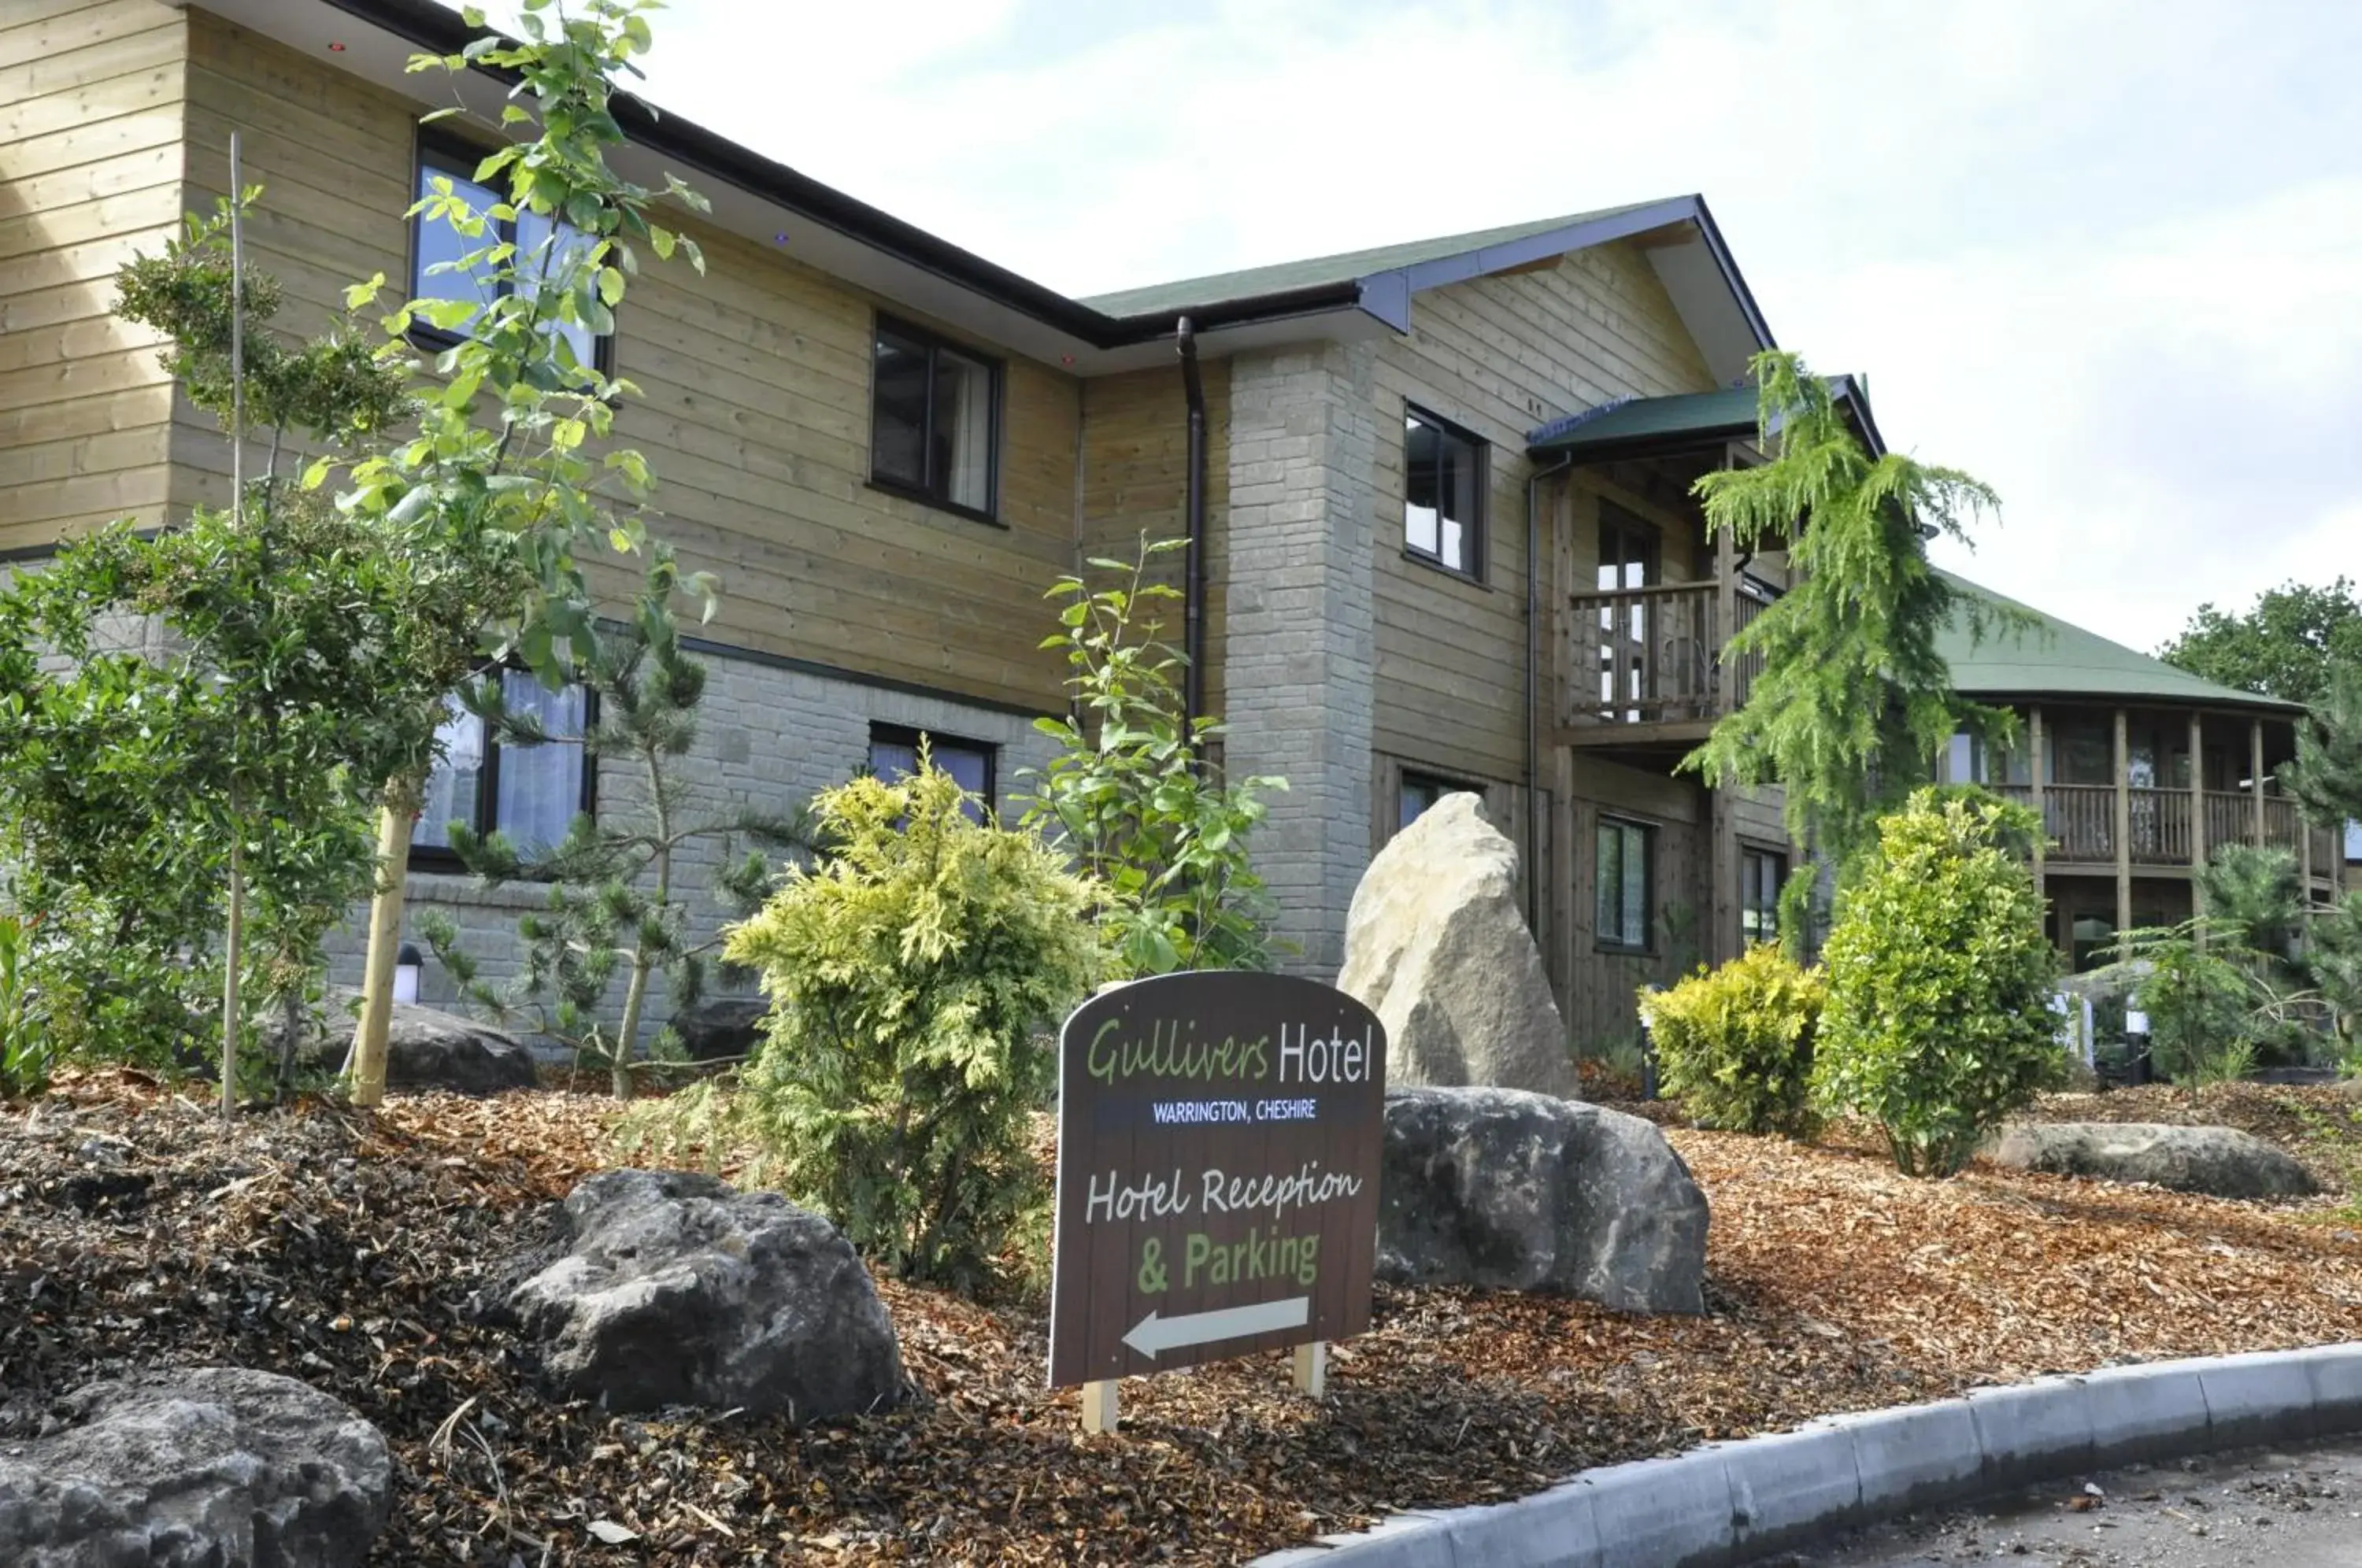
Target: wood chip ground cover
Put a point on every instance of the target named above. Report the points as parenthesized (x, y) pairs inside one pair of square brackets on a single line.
[(354, 1253)]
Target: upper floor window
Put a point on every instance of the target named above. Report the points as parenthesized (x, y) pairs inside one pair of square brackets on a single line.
[(1626, 884), (1443, 494), (934, 409), (1421, 790), (530, 793), (894, 754), (1760, 874), (437, 242)]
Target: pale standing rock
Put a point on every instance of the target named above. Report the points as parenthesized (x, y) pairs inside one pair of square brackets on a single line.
[(1437, 947), (2219, 1162)]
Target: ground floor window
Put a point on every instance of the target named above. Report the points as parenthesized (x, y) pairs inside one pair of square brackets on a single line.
[(1761, 873), (1626, 891), (894, 754), (530, 794), (1420, 791)]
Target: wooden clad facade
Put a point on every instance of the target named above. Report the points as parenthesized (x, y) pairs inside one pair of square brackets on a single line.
[(92, 113)]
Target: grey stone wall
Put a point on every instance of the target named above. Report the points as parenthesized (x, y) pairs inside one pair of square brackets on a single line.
[(768, 738), (1299, 683)]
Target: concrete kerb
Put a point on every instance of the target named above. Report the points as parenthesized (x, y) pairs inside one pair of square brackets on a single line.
[(1731, 1503)]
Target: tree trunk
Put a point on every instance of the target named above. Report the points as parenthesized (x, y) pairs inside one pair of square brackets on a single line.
[(367, 1064)]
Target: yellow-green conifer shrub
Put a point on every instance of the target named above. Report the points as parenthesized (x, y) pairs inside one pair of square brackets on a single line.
[(1938, 1022), (1735, 1044), (917, 976)]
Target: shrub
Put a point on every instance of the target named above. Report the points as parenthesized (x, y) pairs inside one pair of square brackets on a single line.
[(1129, 793), (912, 975), (1735, 1044), (1938, 1021)]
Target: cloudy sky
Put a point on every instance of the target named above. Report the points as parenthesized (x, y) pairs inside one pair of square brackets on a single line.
[(2106, 256)]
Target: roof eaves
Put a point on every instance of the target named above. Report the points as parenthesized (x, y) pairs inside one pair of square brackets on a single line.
[(1506, 254)]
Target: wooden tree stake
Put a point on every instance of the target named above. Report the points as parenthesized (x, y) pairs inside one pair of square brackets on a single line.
[(1309, 1367), (1099, 1406)]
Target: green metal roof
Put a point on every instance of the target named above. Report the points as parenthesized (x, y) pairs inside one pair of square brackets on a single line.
[(1639, 424), (1197, 293), (2059, 659)]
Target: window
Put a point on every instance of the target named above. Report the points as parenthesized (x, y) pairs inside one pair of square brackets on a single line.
[(1625, 917), (436, 241), (531, 793), (1443, 494), (1420, 791), (894, 754), (933, 411), (1628, 559), (1760, 874)]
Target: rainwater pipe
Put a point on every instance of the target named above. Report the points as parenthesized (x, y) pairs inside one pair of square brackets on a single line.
[(1193, 560)]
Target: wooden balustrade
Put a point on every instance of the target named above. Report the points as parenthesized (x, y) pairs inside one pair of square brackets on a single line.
[(1645, 656), (2081, 822)]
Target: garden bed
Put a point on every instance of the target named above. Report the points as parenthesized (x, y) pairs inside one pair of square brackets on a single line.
[(350, 1254)]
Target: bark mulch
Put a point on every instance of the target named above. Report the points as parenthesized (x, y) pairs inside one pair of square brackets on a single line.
[(350, 1253)]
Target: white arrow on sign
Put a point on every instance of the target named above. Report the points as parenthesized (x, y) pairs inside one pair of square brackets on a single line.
[(1156, 1332)]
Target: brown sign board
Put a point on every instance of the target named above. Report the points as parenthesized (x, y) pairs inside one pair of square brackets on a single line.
[(1219, 1137)]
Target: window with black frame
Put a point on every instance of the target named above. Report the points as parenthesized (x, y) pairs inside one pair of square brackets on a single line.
[(1760, 874), (935, 409), (1625, 906), (1443, 494), (1628, 561), (531, 794), (1420, 791), (894, 754), (436, 241)]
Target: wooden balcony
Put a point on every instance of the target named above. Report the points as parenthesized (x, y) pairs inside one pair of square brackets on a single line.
[(2082, 822), (1647, 664)]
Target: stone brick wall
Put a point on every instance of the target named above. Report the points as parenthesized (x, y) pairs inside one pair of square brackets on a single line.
[(768, 738), (1299, 677)]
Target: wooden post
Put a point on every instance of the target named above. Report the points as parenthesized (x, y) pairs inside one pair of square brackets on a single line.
[(1308, 1368), (2256, 773), (2124, 824), (2037, 767), (1722, 944), (1099, 1406), (2197, 814)]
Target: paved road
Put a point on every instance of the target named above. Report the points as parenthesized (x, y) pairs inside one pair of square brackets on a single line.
[(2268, 1508)]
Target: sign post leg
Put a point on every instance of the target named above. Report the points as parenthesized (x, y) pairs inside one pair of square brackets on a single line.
[(1311, 1367), (1098, 1405)]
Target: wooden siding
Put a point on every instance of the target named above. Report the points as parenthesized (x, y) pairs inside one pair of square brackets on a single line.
[(1135, 477), (91, 110), (756, 411), (1498, 356), (1596, 995)]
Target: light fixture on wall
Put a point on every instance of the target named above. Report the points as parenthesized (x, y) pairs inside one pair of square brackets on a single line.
[(406, 966)]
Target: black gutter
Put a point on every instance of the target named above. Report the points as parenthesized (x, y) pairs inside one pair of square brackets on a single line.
[(1193, 590), (440, 31)]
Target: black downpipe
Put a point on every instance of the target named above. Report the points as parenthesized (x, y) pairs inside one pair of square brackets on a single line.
[(1533, 687), (1193, 567)]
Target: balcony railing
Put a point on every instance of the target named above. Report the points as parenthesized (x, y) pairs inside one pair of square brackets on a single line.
[(1651, 655), (2081, 820)]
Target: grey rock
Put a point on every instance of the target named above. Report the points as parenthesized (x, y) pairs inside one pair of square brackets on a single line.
[(1513, 1190), (2220, 1162), (721, 1027), (196, 1469), (1436, 944), (426, 1048), (679, 1289)]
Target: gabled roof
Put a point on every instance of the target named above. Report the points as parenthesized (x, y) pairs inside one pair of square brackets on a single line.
[(2057, 659), (1639, 426)]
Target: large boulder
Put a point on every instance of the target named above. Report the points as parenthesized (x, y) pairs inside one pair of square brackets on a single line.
[(721, 1027), (677, 1290), (1519, 1191), (2220, 1162), (1437, 947), (196, 1469), (428, 1049)]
